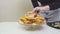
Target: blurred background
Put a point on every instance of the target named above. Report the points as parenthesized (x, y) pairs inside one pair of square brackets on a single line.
[(11, 10)]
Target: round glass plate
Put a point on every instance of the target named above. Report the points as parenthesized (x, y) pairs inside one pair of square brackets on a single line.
[(30, 26)]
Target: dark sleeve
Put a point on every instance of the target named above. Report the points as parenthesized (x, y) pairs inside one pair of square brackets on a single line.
[(55, 5), (35, 3)]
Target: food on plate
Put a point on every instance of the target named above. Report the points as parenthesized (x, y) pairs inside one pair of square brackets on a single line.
[(39, 21), (57, 24), (32, 19)]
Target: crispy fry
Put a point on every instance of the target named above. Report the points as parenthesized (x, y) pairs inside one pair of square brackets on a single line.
[(32, 18)]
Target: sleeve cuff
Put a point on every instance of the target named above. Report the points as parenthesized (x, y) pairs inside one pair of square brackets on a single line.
[(52, 6)]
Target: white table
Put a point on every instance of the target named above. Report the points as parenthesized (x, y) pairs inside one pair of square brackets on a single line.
[(14, 28)]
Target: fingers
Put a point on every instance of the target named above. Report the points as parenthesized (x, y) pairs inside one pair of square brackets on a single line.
[(35, 10)]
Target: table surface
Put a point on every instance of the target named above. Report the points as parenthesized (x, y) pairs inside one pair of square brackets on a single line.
[(14, 28)]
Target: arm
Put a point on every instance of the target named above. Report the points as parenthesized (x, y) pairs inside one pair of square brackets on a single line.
[(55, 5), (52, 6), (35, 3)]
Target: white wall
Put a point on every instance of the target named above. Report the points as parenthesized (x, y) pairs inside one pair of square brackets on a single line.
[(11, 10)]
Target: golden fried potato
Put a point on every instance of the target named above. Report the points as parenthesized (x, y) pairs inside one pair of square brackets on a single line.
[(39, 21), (28, 22), (23, 19), (29, 16), (32, 18)]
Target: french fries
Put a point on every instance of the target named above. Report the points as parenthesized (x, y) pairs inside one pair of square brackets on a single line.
[(32, 19)]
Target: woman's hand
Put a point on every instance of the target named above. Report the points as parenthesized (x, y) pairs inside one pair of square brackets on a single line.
[(43, 8), (34, 10)]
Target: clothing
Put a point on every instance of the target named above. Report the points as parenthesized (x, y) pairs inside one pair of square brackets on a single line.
[(52, 15), (54, 4)]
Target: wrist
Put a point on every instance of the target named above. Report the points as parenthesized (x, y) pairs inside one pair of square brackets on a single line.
[(47, 7)]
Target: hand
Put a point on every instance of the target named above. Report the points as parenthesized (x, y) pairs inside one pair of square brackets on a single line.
[(43, 8), (31, 12), (34, 10)]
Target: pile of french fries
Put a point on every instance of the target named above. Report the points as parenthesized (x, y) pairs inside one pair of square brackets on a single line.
[(32, 19)]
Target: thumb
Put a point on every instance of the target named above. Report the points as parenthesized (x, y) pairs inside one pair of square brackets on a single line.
[(34, 10)]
